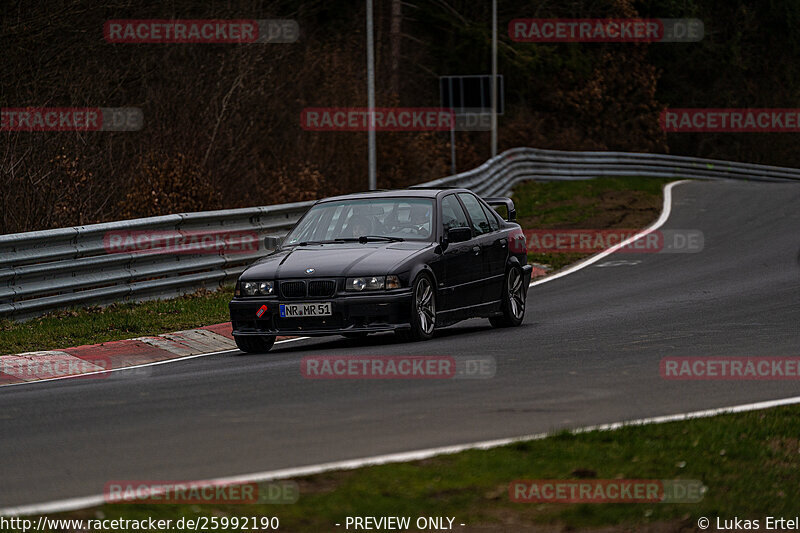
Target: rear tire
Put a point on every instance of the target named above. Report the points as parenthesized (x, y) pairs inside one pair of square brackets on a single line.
[(253, 344), (423, 310), (513, 300)]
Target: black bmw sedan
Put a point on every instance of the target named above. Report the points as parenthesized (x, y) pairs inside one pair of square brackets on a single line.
[(408, 261)]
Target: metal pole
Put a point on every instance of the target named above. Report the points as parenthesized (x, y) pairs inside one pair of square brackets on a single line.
[(371, 98), (453, 125), (453, 148), (494, 78)]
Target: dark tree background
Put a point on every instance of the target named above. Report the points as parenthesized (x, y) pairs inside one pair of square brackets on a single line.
[(222, 122)]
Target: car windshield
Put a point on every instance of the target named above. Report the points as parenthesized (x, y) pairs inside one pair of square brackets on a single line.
[(395, 218)]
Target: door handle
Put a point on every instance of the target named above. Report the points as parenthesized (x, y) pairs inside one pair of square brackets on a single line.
[(503, 243), (476, 249)]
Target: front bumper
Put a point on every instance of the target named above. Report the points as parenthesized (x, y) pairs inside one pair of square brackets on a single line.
[(527, 271), (386, 311)]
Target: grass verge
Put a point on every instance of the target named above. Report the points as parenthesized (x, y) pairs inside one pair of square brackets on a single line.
[(748, 462), (93, 325), (604, 203)]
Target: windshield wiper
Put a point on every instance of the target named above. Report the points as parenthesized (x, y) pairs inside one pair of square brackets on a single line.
[(330, 241), (366, 238), (363, 239)]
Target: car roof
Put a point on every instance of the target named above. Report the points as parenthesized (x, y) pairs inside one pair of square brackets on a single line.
[(414, 192)]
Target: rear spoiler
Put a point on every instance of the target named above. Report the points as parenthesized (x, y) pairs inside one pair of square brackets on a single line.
[(508, 203)]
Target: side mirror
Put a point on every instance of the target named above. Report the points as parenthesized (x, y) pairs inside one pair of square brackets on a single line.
[(459, 234), (503, 202), (272, 242)]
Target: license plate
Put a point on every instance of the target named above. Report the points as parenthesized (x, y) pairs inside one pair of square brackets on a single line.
[(304, 310)]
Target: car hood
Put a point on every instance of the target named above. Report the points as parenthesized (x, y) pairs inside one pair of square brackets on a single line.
[(333, 260)]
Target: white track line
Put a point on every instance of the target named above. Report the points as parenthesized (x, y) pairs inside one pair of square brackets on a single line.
[(154, 363), (90, 501), (287, 473), (665, 212)]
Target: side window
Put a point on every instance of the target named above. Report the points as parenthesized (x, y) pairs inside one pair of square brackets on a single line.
[(479, 221), (493, 223), (452, 214)]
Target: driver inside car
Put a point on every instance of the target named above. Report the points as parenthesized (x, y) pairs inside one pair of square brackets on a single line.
[(359, 226), (420, 221)]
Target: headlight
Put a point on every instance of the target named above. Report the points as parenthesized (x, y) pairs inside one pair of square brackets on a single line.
[(368, 283), (258, 288), (266, 288), (249, 288), (375, 283), (372, 283), (356, 284)]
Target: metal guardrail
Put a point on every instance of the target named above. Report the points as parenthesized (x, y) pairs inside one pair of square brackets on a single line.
[(498, 175), (45, 270), (51, 269)]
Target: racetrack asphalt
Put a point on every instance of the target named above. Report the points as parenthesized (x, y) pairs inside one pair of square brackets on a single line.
[(587, 353)]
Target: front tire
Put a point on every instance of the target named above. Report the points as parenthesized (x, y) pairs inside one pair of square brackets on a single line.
[(513, 300), (423, 310), (253, 344)]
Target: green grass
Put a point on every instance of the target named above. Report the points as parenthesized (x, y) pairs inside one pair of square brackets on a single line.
[(556, 261), (553, 201), (749, 463), (75, 327), (568, 204), (540, 204)]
